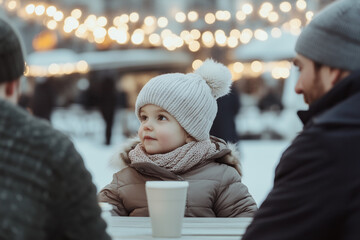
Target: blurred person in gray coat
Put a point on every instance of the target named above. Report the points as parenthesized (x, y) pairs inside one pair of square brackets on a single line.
[(45, 190), (316, 192)]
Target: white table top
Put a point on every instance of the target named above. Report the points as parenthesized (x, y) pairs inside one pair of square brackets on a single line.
[(193, 228)]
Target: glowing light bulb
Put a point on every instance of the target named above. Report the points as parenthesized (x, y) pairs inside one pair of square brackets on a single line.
[(196, 64), (194, 46), (155, 39), (261, 35), (12, 5), (301, 5), (240, 15), (210, 18), (309, 15), (58, 16), (193, 16), (285, 7), (50, 11), (138, 37), (162, 22), (256, 66), (247, 8), (180, 17), (134, 17), (52, 24), (195, 34), (40, 10), (273, 17), (102, 21), (232, 42), (30, 9), (276, 32), (149, 21), (76, 13), (238, 67)]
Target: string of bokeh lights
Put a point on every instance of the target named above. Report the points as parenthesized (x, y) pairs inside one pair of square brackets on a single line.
[(131, 29)]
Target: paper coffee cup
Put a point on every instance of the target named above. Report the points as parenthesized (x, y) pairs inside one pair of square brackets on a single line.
[(166, 203)]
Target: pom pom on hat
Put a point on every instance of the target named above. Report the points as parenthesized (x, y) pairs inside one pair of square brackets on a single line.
[(189, 98), (217, 76)]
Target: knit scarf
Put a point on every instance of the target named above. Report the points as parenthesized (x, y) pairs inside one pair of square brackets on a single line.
[(179, 160)]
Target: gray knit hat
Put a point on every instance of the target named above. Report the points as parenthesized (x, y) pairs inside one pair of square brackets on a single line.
[(189, 98), (333, 36), (12, 63)]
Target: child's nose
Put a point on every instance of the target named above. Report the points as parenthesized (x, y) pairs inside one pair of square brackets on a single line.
[(148, 125)]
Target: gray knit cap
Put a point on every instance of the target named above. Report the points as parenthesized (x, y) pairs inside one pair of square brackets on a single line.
[(189, 98), (333, 36), (12, 63)]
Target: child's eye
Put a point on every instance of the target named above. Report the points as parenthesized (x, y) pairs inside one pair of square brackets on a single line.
[(143, 118), (162, 118)]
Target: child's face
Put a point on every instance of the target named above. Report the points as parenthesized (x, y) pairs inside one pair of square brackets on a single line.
[(159, 132)]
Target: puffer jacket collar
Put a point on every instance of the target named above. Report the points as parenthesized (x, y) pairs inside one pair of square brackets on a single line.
[(153, 170), (347, 90), (228, 156)]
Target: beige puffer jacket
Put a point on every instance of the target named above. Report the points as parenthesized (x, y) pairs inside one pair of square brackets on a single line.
[(215, 187)]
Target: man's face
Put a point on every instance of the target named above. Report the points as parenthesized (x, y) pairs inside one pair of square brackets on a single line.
[(313, 83)]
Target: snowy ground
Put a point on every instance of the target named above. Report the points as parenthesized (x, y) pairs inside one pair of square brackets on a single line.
[(258, 157)]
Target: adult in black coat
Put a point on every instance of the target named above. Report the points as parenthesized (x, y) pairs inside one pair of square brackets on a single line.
[(316, 192), (45, 190), (43, 99), (224, 125), (107, 104)]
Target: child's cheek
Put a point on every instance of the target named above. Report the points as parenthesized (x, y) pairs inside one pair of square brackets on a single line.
[(140, 131), (163, 137)]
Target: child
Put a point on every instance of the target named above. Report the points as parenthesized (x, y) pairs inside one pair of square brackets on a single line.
[(176, 112)]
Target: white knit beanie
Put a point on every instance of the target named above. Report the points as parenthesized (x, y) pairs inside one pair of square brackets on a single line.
[(189, 98)]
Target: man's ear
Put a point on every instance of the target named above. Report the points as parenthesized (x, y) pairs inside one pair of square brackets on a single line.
[(337, 74), (11, 88)]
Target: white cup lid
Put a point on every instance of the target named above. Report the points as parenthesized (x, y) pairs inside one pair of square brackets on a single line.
[(167, 184)]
